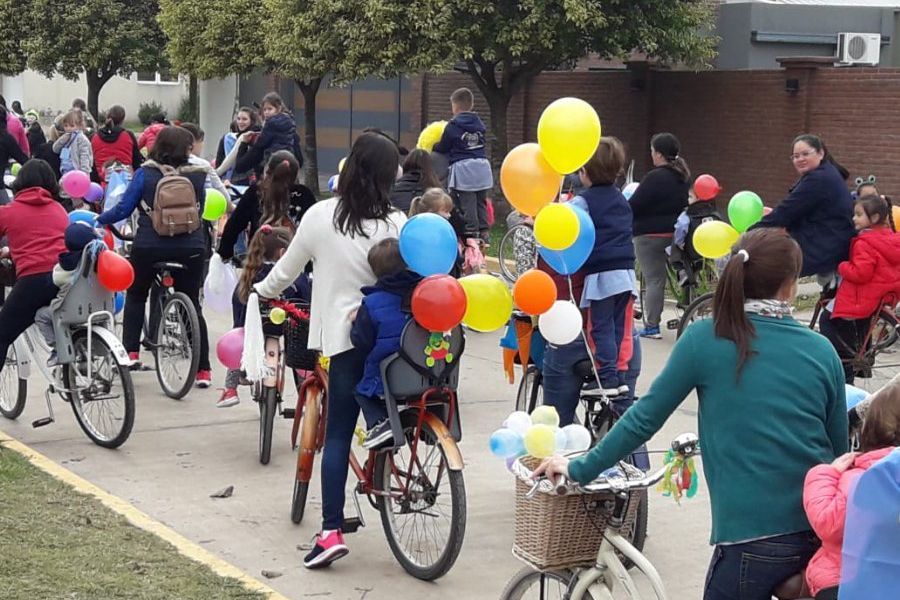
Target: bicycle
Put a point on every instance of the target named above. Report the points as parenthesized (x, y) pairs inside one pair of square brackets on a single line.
[(513, 263), (699, 278), (416, 485), (171, 329), (92, 372), (608, 514)]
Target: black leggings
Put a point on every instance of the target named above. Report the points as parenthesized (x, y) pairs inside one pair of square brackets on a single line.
[(188, 280), (30, 293)]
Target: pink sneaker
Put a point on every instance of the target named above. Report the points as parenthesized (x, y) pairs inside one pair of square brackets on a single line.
[(204, 379), (329, 547), (135, 358)]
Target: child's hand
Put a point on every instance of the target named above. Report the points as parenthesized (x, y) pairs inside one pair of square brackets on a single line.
[(842, 463)]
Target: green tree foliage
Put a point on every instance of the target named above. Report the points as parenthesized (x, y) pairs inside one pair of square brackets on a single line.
[(503, 44), (100, 38), (12, 55)]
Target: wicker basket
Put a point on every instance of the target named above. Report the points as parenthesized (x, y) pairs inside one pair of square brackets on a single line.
[(297, 354), (561, 532)]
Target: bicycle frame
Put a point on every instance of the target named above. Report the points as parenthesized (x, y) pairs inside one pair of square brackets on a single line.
[(612, 573)]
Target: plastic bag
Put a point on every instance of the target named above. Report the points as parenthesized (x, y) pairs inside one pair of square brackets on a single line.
[(219, 285)]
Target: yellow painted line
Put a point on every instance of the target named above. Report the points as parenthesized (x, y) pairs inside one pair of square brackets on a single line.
[(139, 519)]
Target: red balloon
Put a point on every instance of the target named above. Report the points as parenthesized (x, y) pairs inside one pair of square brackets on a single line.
[(706, 187), (108, 240), (439, 303), (114, 272)]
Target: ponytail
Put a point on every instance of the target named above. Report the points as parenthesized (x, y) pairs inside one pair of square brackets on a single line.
[(275, 189), (415, 207), (668, 146), (731, 321), (114, 116)]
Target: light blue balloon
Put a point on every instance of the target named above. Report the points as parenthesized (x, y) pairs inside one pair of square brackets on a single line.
[(854, 395), (332, 183), (119, 302), (568, 261), (83, 216), (506, 443), (428, 244)]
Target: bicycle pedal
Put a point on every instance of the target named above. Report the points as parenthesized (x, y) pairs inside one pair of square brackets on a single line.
[(42, 422), (352, 525), (672, 324), (288, 413)]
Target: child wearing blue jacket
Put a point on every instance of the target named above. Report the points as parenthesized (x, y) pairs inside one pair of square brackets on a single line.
[(609, 286), (376, 331)]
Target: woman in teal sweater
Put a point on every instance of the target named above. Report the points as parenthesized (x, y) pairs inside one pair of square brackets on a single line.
[(771, 398)]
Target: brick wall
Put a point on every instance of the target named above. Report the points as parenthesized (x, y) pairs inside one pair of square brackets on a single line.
[(736, 125)]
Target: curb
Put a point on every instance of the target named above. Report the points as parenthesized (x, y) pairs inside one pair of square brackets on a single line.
[(139, 519)]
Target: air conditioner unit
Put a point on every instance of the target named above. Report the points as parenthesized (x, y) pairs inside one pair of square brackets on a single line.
[(859, 48)]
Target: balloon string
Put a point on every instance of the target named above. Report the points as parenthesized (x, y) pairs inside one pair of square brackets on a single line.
[(587, 346)]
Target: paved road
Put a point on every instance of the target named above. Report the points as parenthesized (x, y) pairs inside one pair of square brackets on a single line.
[(182, 451)]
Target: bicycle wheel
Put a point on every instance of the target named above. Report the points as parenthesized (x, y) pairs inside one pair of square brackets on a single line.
[(177, 345), (423, 511), (104, 402), (309, 429), (876, 367), (513, 264), (531, 390), (268, 405), (13, 389), (700, 309), (529, 584)]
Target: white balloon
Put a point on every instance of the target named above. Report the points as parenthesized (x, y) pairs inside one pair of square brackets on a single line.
[(518, 421), (561, 324), (629, 190), (578, 438), (561, 441)]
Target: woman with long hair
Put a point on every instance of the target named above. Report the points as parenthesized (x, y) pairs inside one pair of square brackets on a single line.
[(418, 176), (771, 406), (336, 236), (245, 120)]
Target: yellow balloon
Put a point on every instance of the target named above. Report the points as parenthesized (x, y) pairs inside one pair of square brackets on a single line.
[(341, 164), (431, 135), (489, 303), (714, 239), (277, 315), (545, 415), (568, 133), (540, 441), (556, 227)]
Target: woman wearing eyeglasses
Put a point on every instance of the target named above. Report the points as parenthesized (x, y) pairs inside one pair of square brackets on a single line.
[(818, 211)]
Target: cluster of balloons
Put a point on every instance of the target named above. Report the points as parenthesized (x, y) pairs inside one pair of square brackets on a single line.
[(538, 435), (439, 303), (714, 239)]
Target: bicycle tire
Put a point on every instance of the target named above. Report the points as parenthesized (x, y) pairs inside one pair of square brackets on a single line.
[(268, 405), (506, 253), (555, 584), (457, 490), (83, 414), (306, 455), (701, 308), (166, 345), (13, 388), (530, 394)]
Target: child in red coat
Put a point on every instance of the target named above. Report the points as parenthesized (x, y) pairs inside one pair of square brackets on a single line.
[(827, 488), (871, 274)]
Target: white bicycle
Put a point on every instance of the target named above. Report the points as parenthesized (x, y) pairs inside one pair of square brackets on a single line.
[(92, 372), (608, 578)]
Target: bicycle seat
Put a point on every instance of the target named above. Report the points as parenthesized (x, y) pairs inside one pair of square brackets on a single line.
[(792, 588), (168, 266), (584, 368)]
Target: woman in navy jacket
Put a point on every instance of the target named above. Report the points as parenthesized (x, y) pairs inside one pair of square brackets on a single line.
[(818, 211)]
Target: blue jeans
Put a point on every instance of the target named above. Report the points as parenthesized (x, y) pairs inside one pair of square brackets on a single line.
[(344, 373), (752, 570), (608, 331)]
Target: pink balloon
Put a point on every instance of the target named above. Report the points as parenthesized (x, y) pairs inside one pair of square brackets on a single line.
[(767, 210), (230, 347), (76, 183), (94, 193)]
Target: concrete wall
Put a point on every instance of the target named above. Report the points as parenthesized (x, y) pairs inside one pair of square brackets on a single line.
[(218, 102), (34, 90), (741, 24)]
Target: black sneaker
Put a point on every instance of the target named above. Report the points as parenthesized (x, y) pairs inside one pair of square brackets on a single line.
[(379, 435)]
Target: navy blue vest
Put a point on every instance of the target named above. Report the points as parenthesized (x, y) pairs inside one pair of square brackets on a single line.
[(611, 215)]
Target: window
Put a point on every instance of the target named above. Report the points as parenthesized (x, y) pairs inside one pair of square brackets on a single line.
[(157, 77)]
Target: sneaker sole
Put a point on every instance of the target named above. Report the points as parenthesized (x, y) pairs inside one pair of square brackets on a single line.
[(327, 557), (203, 384), (378, 441), (228, 403)]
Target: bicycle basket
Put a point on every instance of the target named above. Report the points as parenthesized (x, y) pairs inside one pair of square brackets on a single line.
[(297, 354), (563, 532)]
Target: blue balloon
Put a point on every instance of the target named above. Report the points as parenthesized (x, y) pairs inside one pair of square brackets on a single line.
[(83, 216), (120, 302), (332, 183), (428, 244), (506, 443), (854, 395), (568, 261)]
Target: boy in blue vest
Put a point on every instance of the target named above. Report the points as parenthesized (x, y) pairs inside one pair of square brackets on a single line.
[(376, 331), (609, 284)]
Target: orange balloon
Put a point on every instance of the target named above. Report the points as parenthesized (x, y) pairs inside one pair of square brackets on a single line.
[(534, 292), (895, 213), (528, 180)]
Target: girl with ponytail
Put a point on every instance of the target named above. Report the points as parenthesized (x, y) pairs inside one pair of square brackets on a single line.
[(278, 200), (770, 397), (114, 143)]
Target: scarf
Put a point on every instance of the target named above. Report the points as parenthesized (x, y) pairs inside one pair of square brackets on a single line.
[(769, 308)]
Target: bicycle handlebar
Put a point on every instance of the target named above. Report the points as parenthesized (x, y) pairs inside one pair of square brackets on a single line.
[(118, 234)]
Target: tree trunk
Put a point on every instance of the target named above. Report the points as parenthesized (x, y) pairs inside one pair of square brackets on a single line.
[(194, 99), (310, 89), (96, 79)]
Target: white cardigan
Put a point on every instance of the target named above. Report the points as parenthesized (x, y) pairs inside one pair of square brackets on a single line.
[(340, 269)]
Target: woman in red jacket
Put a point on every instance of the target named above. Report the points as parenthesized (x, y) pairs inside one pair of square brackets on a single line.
[(34, 225), (114, 143), (872, 273)]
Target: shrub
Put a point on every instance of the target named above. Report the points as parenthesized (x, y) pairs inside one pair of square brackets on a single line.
[(186, 110), (147, 110)]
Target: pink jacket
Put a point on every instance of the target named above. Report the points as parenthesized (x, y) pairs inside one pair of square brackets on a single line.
[(825, 494), (15, 129), (148, 137)]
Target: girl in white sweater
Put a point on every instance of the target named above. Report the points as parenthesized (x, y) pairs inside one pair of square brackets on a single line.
[(336, 235)]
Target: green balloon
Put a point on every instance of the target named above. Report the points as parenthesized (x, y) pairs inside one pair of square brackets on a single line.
[(15, 168), (745, 210), (215, 205)]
